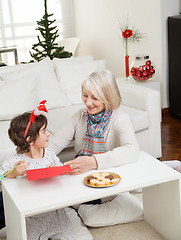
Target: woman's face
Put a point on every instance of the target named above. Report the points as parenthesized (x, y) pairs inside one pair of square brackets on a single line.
[(93, 105)]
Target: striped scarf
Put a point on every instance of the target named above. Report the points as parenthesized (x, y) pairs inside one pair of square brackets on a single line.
[(93, 142)]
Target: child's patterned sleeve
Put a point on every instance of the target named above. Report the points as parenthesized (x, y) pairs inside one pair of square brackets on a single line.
[(56, 161), (7, 165)]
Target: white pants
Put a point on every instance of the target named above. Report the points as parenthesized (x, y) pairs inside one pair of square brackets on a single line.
[(122, 208)]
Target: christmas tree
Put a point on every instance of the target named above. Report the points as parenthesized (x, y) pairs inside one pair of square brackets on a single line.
[(48, 46)]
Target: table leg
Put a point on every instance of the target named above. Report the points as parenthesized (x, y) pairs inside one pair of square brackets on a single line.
[(162, 208), (15, 222)]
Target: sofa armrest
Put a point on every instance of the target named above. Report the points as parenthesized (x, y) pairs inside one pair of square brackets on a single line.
[(140, 97), (148, 100)]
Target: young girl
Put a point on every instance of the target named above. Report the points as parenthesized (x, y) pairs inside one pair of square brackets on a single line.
[(29, 133)]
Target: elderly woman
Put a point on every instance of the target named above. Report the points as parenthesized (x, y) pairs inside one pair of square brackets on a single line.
[(104, 138)]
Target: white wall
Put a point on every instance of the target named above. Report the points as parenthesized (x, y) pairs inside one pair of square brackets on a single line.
[(98, 23)]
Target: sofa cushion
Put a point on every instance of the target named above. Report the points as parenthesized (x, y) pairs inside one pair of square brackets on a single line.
[(139, 118), (79, 58), (47, 86), (62, 115), (17, 97), (72, 73), (7, 148), (82, 58)]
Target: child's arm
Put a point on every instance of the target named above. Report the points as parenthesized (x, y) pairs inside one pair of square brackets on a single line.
[(19, 169)]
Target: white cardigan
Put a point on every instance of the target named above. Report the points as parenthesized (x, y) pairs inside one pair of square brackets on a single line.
[(121, 144)]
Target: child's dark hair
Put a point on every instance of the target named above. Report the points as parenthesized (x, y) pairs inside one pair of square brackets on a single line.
[(17, 129)]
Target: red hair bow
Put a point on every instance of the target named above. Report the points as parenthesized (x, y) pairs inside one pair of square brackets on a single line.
[(35, 113)]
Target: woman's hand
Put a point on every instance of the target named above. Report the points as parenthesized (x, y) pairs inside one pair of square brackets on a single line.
[(82, 164)]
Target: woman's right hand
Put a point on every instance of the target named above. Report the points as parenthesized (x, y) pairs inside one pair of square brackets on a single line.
[(82, 164)]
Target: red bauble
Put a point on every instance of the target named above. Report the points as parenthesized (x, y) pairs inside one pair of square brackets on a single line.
[(145, 74), (152, 71), (133, 69), (138, 78), (147, 67), (148, 62), (141, 69)]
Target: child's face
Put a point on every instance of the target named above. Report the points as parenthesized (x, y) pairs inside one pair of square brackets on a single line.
[(42, 139)]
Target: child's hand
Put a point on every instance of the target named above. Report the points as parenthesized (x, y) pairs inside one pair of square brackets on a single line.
[(21, 167), (50, 165), (19, 170)]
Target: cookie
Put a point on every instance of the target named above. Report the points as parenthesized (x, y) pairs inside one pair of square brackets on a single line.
[(100, 178), (107, 181), (115, 180), (94, 181), (110, 176), (96, 175), (104, 174), (100, 183), (90, 178)]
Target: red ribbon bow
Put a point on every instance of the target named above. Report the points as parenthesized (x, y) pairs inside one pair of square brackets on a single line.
[(35, 113)]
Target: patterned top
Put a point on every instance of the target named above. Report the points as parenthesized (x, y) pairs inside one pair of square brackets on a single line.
[(49, 158)]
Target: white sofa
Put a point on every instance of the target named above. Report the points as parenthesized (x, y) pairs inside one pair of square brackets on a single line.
[(23, 86)]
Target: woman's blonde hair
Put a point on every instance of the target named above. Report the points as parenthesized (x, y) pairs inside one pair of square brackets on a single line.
[(103, 86)]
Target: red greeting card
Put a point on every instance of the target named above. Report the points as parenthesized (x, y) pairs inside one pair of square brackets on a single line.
[(35, 174)]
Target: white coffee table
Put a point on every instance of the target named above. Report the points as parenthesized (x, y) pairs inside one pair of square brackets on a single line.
[(161, 196)]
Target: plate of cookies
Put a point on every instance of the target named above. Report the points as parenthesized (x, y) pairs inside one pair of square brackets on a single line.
[(102, 179)]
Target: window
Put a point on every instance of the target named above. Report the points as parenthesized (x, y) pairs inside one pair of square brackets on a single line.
[(18, 23)]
